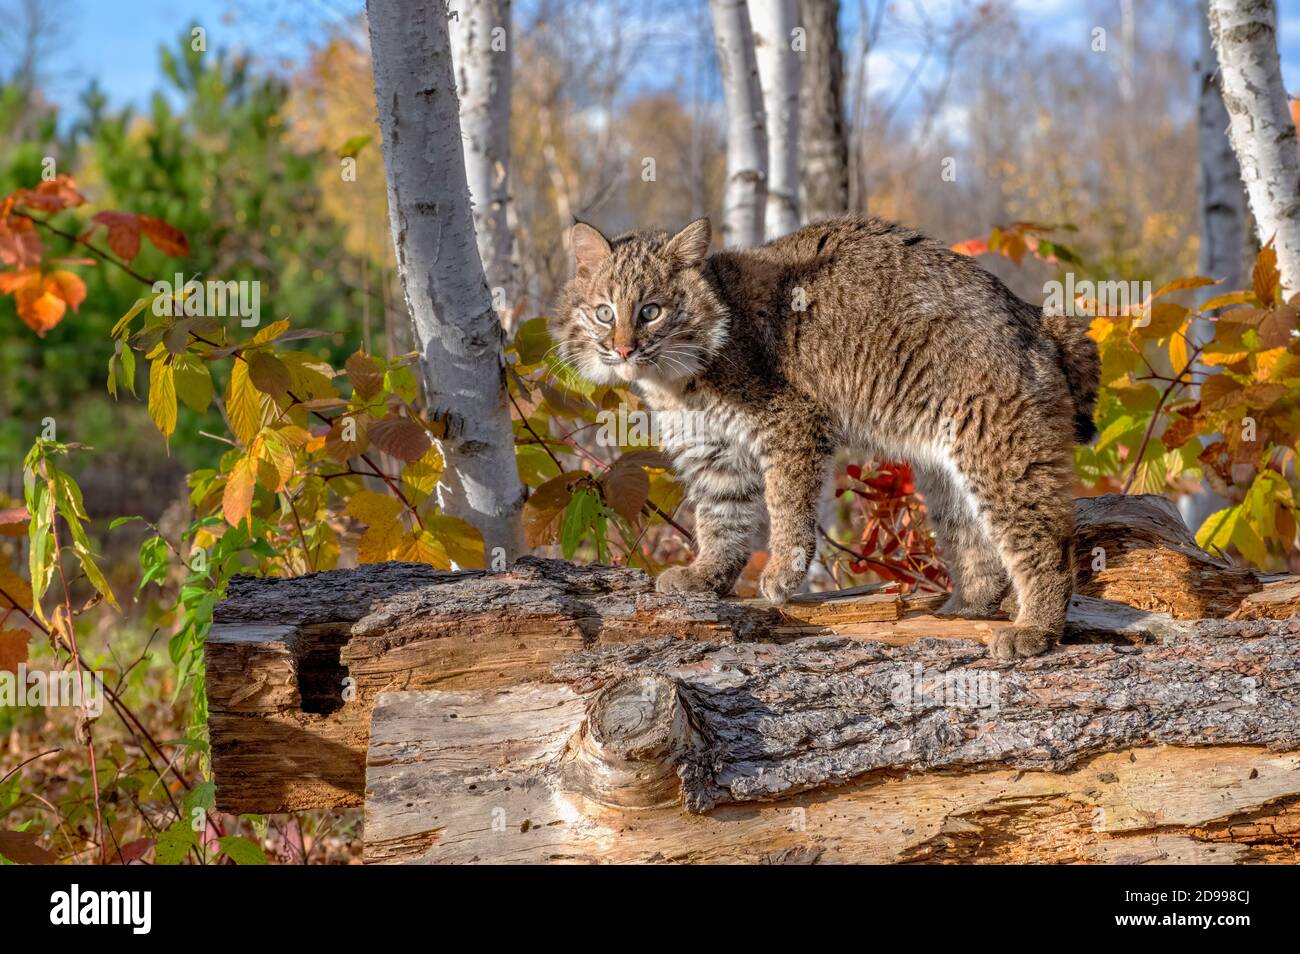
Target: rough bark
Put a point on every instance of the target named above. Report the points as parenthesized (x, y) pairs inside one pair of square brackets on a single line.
[(1263, 135), (482, 55), (745, 198), (457, 329), (831, 750), (294, 665), (773, 23), (824, 186)]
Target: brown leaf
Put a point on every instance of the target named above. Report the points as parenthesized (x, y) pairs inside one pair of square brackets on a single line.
[(366, 375), (545, 507), (627, 487), (1265, 276), (342, 450), (13, 648), (268, 373), (13, 521), (401, 437), (22, 847), (1275, 330)]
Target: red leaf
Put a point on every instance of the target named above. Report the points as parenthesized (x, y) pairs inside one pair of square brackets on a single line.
[(123, 232)]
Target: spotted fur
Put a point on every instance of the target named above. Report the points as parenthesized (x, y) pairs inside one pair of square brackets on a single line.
[(853, 332)]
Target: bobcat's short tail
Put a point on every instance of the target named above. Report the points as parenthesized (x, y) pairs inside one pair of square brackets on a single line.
[(1082, 365)]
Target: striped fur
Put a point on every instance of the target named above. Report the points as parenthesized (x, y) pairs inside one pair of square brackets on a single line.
[(853, 332)]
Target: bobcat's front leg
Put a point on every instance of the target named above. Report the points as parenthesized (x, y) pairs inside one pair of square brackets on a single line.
[(795, 470), (728, 490), (724, 537)]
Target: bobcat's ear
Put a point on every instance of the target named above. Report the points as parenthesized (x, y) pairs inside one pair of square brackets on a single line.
[(691, 244), (590, 248)]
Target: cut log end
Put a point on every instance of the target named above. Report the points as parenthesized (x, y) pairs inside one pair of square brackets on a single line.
[(626, 753)]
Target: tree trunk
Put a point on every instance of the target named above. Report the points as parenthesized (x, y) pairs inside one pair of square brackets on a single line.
[(774, 22), (481, 54), (1223, 222), (1263, 135), (822, 137), (745, 200), (456, 327)]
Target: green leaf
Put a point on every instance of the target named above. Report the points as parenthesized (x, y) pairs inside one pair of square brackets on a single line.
[(351, 148), (193, 382), (174, 843), (241, 850)]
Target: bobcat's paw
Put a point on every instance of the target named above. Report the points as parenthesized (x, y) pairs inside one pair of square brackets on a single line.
[(779, 582), (1019, 642), (685, 579)]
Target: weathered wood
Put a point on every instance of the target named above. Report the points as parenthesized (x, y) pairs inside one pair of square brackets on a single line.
[(835, 750), (294, 665), (1137, 550)]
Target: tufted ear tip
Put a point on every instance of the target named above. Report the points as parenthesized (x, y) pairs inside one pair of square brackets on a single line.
[(690, 246), (589, 247)]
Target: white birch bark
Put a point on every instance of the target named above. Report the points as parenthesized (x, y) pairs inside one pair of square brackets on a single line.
[(1263, 135), (456, 328), (744, 201), (773, 23), (481, 54)]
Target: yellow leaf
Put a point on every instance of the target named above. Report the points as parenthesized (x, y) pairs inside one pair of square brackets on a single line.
[(243, 404), (1177, 352), (460, 540), (162, 396), (372, 508)]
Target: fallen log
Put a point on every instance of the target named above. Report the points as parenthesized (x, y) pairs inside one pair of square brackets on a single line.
[(294, 666), (670, 751)]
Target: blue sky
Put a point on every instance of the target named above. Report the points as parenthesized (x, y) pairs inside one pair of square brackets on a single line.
[(116, 41)]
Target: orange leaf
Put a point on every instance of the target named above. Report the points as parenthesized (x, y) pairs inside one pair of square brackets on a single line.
[(20, 246), (70, 288), (166, 238), (52, 195), (238, 497)]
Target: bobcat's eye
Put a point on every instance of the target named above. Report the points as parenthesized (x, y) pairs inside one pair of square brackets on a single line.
[(605, 315), (650, 312)]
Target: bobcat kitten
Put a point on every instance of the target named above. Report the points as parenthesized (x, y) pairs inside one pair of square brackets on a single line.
[(854, 332)]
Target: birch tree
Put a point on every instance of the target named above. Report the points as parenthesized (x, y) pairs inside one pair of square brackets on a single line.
[(456, 328), (481, 55), (1222, 197), (774, 23), (1262, 133), (745, 199), (823, 140)]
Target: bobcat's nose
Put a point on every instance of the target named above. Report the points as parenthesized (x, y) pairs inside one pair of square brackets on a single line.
[(624, 350)]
